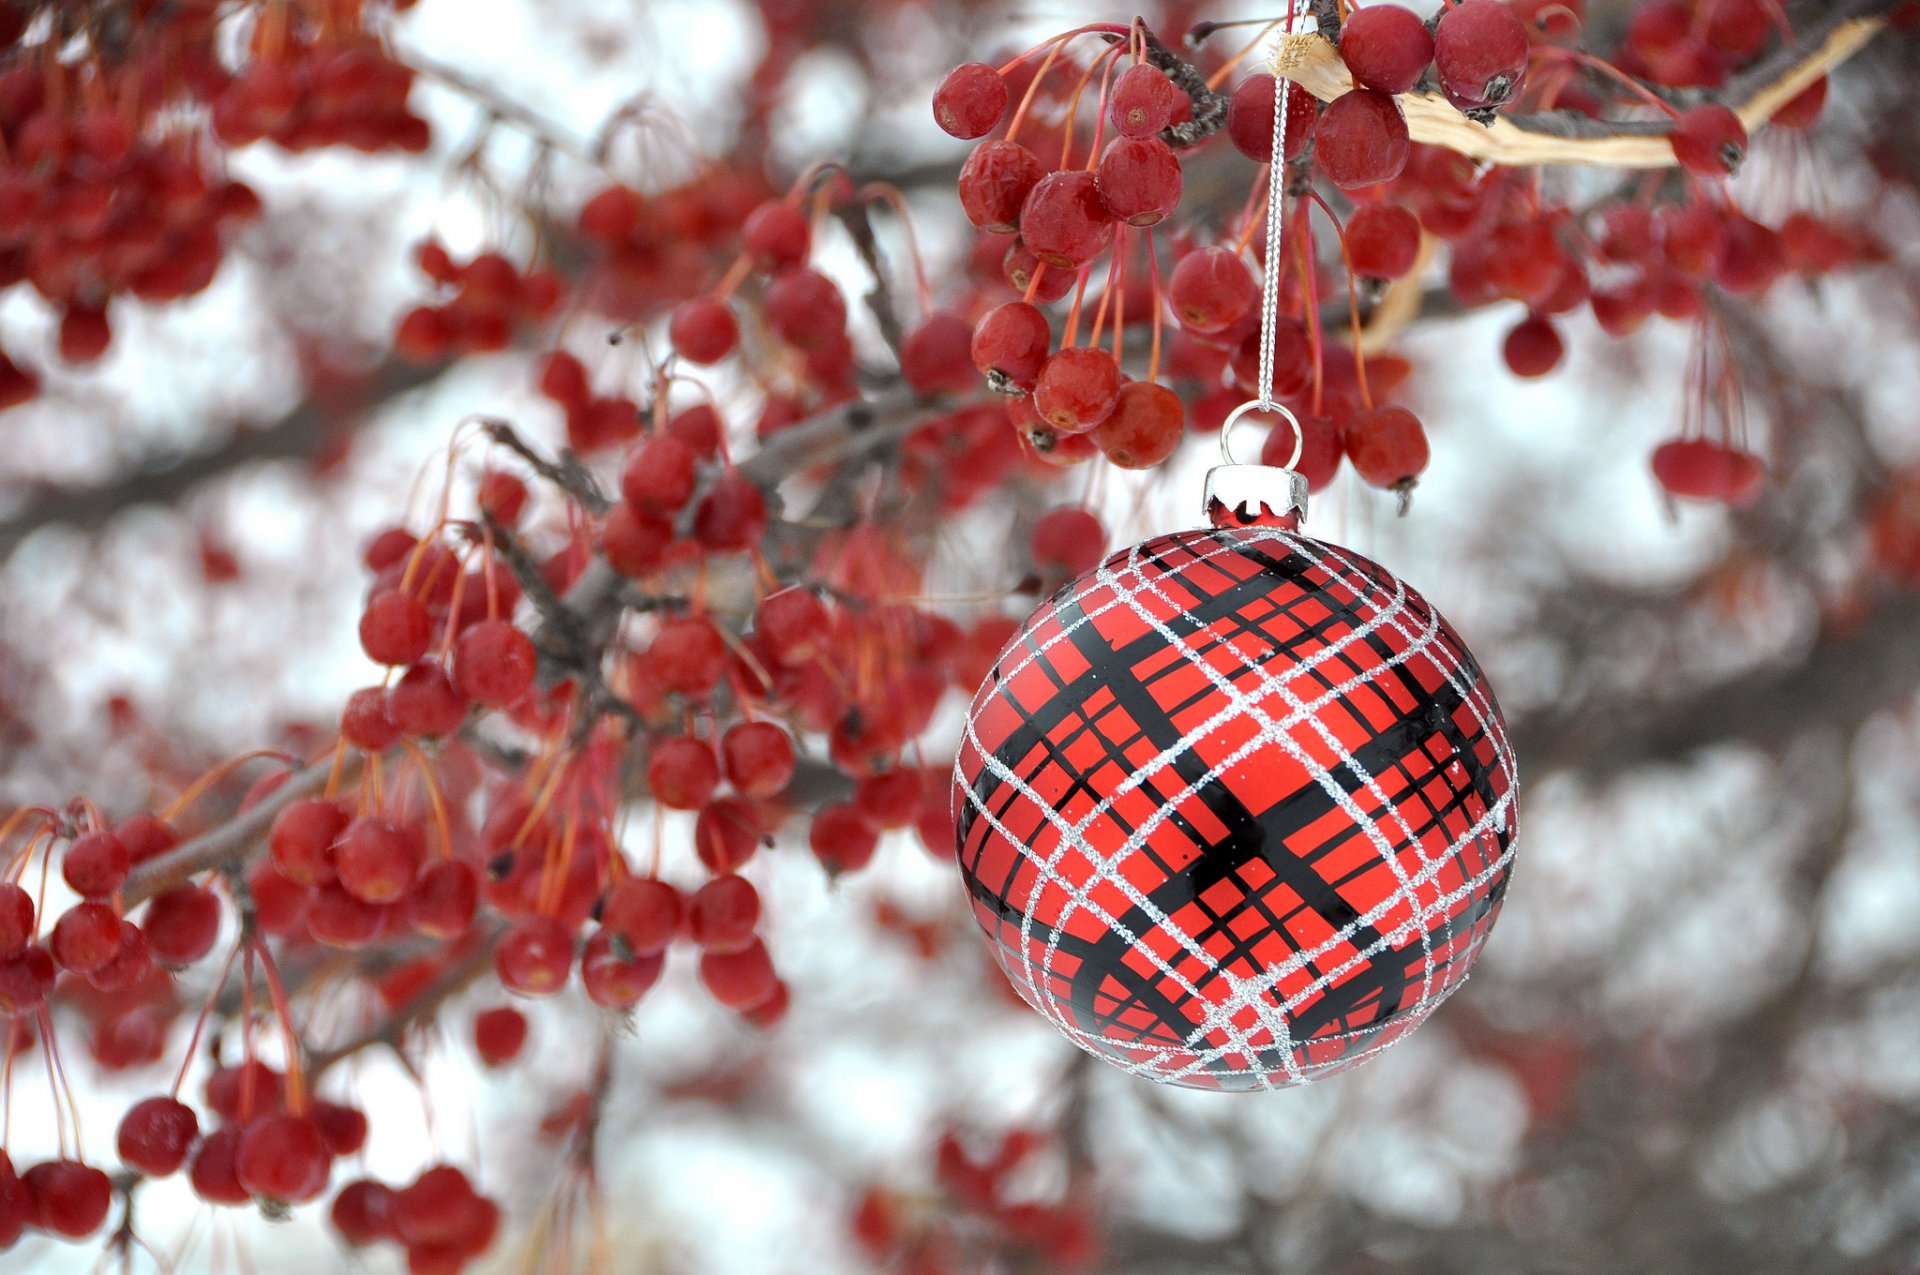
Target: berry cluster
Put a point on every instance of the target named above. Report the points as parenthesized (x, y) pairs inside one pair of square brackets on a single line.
[(490, 296), (980, 1211), (112, 183)]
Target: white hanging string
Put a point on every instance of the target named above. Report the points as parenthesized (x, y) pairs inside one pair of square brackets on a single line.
[(1263, 401)]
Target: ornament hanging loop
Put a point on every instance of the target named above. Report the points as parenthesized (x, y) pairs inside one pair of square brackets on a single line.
[(1238, 495)]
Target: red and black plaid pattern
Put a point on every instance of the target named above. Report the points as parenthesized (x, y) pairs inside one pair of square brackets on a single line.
[(1235, 809)]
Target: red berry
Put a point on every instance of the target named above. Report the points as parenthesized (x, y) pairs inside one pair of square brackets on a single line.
[(499, 1034), (1752, 256), (534, 957), (723, 914), (1077, 389), (377, 860), (1701, 469), (1143, 101), (1386, 47), (806, 309), (889, 799), (146, 836), (1144, 427), (1387, 446), (970, 100), (69, 1199), (1480, 48), (367, 721), (644, 912), (1211, 289), (424, 702), (1064, 220), (16, 919), (1801, 112), (213, 1174), (84, 334), (363, 1212), (130, 963), (703, 330), (95, 864), (726, 834), (777, 234), (86, 937), (742, 979), (794, 624), (614, 976), (659, 476), (1027, 275), (934, 358), (502, 497), (1362, 139), (441, 1209), (1383, 240), (1067, 541), (494, 663), (1012, 340), (444, 899), (282, 1157), (1709, 140), (302, 837), (26, 978), (339, 919), (994, 184), (1139, 180), (732, 516), (758, 757), (843, 838), (1319, 454), (156, 1134), (635, 543), (1534, 347), (682, 772), (563, 378), (342, 1128), (1250, 118), (395, 628), (688, 655), (182, 924)]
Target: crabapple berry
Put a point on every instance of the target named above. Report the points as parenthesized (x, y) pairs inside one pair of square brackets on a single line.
[(732, 516), (424, 702), (1064, 220), (1702, 469), (182, 924), (69, 1199), (301, 839), (742, 979), (634, 543), (377, 860), (1077, 388), (970, 100), (86, 937), (842, 837), (995, 182), (934, 357), (683, 772), (1480, 48), (395, 628), (1067, 541), (1387, 446), (494, 663), (1142, 102), (644, 912), (156, 1134), (1362, 139), (1533, 347), (498, 1035), (444, 899), (615, 978), (1319, 452), (1211, 289), (1383, 240), (659, 476), (1012, 341), (1138, 180), (723, 913), (703, 330), (95, 864), (1250, 118), (533, 957), (1709, 140), (777, 234), (16, 919), (1386, 47), (1144, 427), (758, 758), (282, 1157)]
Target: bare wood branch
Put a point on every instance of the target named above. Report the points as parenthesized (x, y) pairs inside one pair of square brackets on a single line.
[(1566, 137)]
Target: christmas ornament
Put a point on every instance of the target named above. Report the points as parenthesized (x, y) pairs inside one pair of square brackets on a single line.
[(1236, 807)]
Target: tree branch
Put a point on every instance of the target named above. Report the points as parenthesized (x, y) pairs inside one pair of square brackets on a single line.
[(1567, 137), (165, 480)]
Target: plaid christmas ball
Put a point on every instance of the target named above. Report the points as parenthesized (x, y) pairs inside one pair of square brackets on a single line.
[(1235, 809)]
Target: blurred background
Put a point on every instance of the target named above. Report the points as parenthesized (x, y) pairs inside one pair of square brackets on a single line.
[(1693, 1043)]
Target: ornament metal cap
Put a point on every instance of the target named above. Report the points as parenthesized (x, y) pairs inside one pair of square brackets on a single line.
[(1238, 495)]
